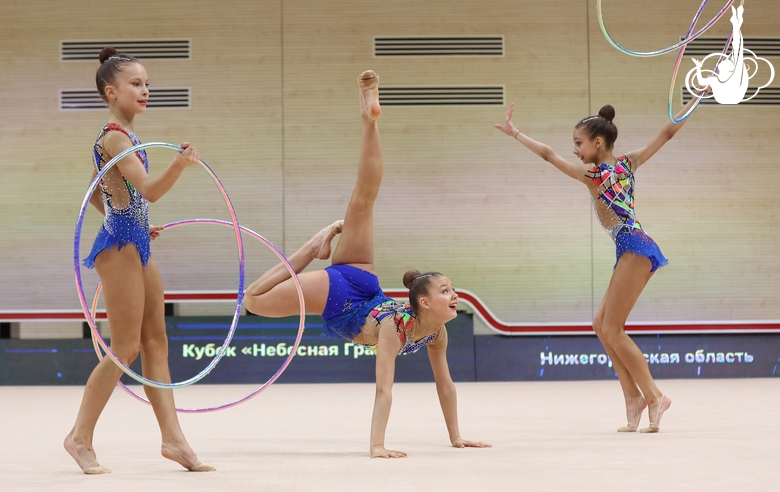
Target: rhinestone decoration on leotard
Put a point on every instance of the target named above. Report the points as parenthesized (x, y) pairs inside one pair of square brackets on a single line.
[(347, 304), (405, 323), (614, 187), (127, 211)]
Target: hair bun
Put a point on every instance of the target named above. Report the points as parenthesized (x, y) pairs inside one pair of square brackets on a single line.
[(105, 53), (607, 112), (409, 277)]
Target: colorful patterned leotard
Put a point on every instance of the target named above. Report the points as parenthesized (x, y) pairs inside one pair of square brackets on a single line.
[(612, 196), (405, 323), (614, 200), (127, 211)]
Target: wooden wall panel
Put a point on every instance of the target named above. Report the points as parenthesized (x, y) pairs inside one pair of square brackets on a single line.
[(457, 197), (274, 111), (235, 121)]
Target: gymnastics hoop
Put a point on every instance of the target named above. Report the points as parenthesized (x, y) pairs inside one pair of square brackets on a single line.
[(80, 286), (290, 354), (682, 45)]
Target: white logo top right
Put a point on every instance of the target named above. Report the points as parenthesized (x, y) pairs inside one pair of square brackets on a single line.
[(729, 80)]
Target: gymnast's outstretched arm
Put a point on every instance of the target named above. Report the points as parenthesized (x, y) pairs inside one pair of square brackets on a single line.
[(669, 130), (571, 169)]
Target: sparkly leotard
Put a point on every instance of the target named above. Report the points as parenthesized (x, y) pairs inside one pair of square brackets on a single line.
[(354, 298), (127, 211), (405, 323), (612, 196)]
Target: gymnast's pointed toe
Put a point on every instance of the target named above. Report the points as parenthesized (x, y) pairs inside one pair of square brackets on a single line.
[(368, 82)]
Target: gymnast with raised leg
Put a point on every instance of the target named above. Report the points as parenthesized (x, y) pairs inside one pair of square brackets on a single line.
[(132, 286), (610, 181), (348, 296)]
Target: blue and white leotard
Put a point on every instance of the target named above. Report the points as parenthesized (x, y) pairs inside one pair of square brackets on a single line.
[(130, 223)]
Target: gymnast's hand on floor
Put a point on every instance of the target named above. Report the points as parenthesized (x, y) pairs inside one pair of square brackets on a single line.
[(154, 232), (459, 442), (381, 452)]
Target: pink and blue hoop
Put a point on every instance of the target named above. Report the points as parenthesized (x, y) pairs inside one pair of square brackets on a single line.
[(681, 45), (80, 286), (290, 354)]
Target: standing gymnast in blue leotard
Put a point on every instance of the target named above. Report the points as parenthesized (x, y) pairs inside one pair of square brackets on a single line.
[(132, 286), (348, 296)]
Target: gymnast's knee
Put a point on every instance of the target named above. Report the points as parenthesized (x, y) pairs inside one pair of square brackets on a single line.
[(259, 304), (127, 354), (598, 326), (155, 344), (252, 303), (362, 199), (611, 334)]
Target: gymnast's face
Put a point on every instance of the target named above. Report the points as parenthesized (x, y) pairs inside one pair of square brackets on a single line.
[(585, 148), (129, 93), (440, 301)]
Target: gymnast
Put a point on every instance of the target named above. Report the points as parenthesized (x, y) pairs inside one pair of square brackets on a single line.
[(348, 296), (132, 285), (610, 181)]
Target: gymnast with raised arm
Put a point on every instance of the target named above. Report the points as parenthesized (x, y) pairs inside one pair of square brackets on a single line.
[(610, 181), (348, 297)]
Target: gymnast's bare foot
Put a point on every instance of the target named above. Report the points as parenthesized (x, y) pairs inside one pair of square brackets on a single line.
[(634, 409), (190, 462), (381, 452), (320, 243), (369, 95), (85, 457), (657, 410)]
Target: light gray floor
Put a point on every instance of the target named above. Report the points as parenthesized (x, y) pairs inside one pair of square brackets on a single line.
[(718, 435)]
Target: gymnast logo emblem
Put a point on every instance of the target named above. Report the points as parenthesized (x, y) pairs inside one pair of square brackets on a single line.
[(729, 80)]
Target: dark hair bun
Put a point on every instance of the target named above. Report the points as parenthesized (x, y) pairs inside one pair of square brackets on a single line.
[(607, 112), (105, 53), (409, 277)]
